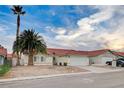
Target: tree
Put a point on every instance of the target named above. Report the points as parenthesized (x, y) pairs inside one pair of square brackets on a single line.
[(31, 43), (17, 10)]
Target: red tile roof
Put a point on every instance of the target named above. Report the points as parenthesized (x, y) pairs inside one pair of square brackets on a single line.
[(119, 53), (3, 51), (62, 52), (97, 52)]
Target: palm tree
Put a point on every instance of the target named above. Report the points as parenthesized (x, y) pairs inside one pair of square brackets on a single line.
[(15, 48), (17, 10), (31, 43), (54, 59)]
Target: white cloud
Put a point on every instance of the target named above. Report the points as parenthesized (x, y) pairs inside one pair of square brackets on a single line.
[(115, 39), (91, 35), (59, 31)]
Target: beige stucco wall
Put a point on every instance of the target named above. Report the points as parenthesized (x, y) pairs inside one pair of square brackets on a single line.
[(72, 59), (46, 59), (24, 59), (62, 59)]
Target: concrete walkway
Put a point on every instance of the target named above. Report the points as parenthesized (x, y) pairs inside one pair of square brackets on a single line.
[(94, 69)]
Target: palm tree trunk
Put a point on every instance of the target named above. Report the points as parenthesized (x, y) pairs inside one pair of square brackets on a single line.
[(54, 60), (30, 58), (17, 38)]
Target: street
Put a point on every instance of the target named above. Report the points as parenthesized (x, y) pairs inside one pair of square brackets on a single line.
[(103, 80)]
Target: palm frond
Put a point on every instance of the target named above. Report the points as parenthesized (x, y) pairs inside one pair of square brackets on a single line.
[(30, 40), (18, 10)]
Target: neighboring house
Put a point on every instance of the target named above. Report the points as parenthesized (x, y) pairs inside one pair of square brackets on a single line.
[(73, 57), (101, 56), (9, 57), (3, 54)]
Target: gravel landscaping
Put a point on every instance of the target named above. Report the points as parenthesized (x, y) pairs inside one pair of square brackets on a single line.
[(26, 71)]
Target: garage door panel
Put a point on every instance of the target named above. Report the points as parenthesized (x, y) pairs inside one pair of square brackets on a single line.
[(78, 61)]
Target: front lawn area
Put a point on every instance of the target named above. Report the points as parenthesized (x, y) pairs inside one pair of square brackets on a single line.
[(38, 70)]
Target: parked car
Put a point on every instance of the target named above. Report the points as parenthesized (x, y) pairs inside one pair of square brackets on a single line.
[(109, 62), (120, 62), (121, 59)]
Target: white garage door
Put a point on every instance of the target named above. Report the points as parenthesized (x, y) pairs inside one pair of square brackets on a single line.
[(78, 61), (104, 59)]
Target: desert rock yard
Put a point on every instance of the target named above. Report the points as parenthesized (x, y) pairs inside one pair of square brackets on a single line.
[(26, 71)]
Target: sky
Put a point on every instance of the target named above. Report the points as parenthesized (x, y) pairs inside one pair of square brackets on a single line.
[(70, 27)]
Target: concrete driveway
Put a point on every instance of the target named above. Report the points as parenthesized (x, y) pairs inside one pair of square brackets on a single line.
[(101, 69)]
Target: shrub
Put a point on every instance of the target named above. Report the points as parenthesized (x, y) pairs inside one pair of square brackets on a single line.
[(60, 64), (5, 68), (55, 64), (65, 63), (8, 62)]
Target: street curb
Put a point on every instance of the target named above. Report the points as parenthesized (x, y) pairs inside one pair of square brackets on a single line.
[(108, 71), (40, 77)]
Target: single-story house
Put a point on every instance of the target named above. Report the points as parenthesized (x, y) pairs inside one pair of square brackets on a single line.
[(73, 57), (3, 54)]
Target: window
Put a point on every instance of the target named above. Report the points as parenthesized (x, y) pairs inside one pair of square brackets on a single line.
[(35, 58), (42, 59)]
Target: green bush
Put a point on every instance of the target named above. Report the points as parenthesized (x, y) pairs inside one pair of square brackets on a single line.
[(65, 63), (5, 68), (8, 62)]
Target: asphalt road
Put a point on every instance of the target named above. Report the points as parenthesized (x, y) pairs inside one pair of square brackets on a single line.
[(106, 80)]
